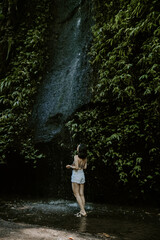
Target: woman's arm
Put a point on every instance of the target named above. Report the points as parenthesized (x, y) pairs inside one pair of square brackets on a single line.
[(75, 166), (85, 166), (71, 166), (68, 166)]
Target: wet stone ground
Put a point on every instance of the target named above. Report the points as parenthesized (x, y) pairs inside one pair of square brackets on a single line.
[(55, 219)]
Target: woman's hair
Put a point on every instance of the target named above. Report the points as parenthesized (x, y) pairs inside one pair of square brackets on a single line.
[(82, 151)]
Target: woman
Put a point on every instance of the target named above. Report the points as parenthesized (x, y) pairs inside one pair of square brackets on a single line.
[(78, 177)]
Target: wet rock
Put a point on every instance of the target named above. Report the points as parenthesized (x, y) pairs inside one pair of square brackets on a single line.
[(66, 84)]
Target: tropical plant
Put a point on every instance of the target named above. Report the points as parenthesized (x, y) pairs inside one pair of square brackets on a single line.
[(122, 125), (27, 53)]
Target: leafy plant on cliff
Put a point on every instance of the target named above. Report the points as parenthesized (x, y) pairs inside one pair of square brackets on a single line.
[(122, 127), (19, 86)]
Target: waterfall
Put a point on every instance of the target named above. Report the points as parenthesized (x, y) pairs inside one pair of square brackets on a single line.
[(65, 86)]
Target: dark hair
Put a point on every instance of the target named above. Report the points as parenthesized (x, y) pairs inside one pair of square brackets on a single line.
[(82, 152)]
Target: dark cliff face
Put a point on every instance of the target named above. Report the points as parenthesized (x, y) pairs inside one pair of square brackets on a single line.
[(65, 87)]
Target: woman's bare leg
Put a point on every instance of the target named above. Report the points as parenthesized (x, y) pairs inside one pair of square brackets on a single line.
[(76, 191), (81, 192)]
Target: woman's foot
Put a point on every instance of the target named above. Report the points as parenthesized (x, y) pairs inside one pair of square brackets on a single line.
[(78, 214), (84, 214)]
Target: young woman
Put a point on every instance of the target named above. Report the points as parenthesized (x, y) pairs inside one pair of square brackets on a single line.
[(78, 177)]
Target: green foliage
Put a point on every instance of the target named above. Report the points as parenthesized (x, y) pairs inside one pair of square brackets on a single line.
[(122, 128), (19, 86), (1, 13)]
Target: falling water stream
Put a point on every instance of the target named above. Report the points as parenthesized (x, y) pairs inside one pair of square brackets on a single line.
[(117, 222), (65, 86)]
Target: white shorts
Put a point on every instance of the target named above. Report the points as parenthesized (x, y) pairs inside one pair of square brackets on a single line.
[(78, 176)]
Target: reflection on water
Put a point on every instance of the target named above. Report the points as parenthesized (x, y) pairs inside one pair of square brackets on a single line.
[(117, 222), (82, 224)]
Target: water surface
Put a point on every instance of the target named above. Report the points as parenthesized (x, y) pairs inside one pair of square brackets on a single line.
[(114, 222)]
